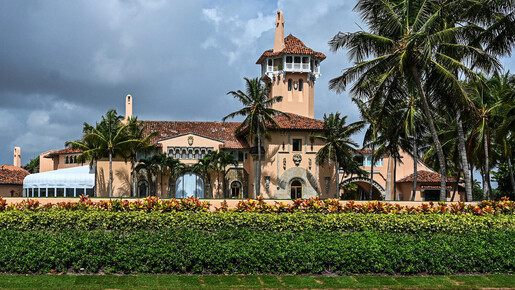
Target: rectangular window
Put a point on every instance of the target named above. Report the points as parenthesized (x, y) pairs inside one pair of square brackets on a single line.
[(297, 144), (290, 85)]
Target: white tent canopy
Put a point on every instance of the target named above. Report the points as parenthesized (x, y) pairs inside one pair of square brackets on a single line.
[(63, 182)]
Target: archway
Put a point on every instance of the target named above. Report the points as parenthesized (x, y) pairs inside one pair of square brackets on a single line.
[(358, 188), (189, 184), (296, 189), (236, 190), (143, 190)]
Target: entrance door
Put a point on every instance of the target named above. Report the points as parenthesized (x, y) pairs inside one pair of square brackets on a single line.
[(296, 189), (189, 184), (236, 189)]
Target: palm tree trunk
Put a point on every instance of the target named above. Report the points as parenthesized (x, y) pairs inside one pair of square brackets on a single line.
[(133, 178), (218, 183), (110, 174), (485, 190), (456, 184), (337, 178), (389, 179), (511, 174), (487, 166), (258, 184), (370, 194), (463, 157), (434, 134), (415, 167), (395, 178)]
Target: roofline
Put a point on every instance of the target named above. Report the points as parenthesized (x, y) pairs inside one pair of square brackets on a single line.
[(190, 133)]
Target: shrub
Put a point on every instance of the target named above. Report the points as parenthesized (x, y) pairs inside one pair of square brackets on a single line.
[(256, 251), (58, 220)]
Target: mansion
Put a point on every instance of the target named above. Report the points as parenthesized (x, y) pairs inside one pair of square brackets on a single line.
[(289, 169)]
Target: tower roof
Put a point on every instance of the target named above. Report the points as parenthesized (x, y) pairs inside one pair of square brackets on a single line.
[(292, 45)]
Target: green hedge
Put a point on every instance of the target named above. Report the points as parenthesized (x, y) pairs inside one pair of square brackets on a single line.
[(255, 251), (296, 222)]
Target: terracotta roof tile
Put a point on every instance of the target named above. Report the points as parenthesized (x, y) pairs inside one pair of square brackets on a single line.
[(10, 174), (62, 151), (224, 131), (425, 177), (292, 45)]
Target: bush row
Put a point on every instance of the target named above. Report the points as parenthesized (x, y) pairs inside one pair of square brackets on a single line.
[(295, 222), (253, 251), (312, 205)]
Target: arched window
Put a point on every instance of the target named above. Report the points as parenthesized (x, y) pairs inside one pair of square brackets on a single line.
[(236, 189), (66, 160), (74, 159), (290, 83), (196, 154), (296, 189), (177, 154), (190, 154), (184, 154), (301, 85), (202, 153)]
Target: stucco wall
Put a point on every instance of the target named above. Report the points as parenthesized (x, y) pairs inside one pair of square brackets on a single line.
[(5, 190)]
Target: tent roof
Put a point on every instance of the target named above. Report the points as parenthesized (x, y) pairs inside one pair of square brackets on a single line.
[(75, 177)]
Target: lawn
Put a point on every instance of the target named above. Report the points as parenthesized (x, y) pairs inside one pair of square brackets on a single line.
[(252, 281)]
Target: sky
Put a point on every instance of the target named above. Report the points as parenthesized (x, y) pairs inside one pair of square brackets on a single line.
[(63, 63)]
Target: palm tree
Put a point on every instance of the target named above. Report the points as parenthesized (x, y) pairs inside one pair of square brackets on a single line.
[(106, 139), (338, 145), (409, 46), (141, 144), (204, 167), (174, 167), (223, 160), (151, 169), (259, 115)]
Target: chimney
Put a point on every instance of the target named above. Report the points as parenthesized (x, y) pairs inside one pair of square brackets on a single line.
[(17, 157), (279, 32), (128, 106)]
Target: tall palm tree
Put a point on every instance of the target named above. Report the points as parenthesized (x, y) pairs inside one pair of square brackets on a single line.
[(338, 145), (106, 139), (204, 167), (174, 167), (259, 115), (407, 44), (141, 144), (224, 159)]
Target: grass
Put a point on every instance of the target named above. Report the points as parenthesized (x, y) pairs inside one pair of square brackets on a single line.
[(253, 281)]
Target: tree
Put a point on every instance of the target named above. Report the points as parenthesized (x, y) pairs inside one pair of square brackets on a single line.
[(33, 165), (408, 44), (259, 115), (174, 167), (141, 144), (204, 167), (223, 160), (106, 139), (151, 168), (338, 145)]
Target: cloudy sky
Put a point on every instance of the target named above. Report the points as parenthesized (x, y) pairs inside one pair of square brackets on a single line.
[(64, 62)]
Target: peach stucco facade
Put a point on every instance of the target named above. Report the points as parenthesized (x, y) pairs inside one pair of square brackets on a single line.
[(289, 168)]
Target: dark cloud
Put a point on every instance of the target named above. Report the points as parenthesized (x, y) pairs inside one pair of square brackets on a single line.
[(63, 63)]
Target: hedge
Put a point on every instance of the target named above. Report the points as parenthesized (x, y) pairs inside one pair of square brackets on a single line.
[(255, 251), (311, 205), (295, 222)]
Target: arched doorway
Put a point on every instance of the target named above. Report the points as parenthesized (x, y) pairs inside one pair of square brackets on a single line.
[(358, 188), (296, 189), (236, 189), (189, 184), (142, 190)]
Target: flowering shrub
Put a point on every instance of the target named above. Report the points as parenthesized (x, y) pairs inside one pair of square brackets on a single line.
[(311, 205)]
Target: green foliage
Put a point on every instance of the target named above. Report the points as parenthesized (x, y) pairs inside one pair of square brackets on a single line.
[(255, 251), (296, 222), (33, 165), (502, 176)]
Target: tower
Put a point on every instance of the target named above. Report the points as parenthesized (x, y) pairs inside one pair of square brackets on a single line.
[(128, 106), (17, 157), (292, 68)]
